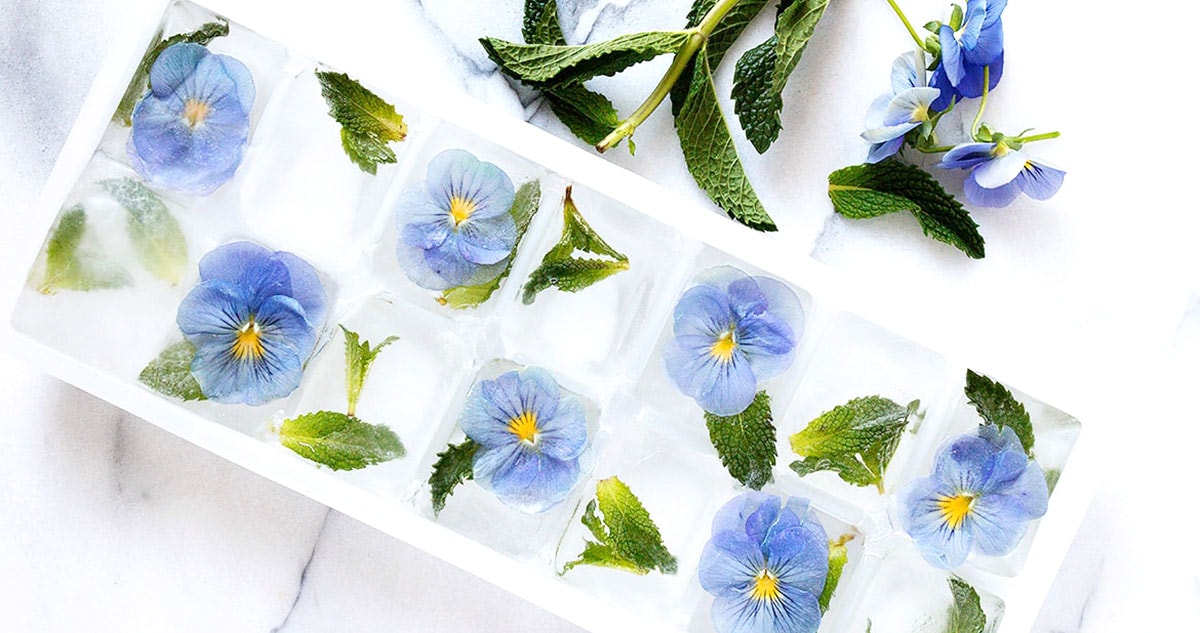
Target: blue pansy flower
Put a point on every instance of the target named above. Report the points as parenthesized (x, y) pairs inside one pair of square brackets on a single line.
[(190, 129), (982, 495), (254, 319), (765, 565), (1000, 173), (978, 43), (530, 436), (455, 228), (893, 115), (732, 331)]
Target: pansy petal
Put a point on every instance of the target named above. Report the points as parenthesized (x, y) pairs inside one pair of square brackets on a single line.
[(963, 462), (483, 421), (909, 107), (563, 435), (971, 84), (732, 515), (952, 59), (243, 81), (905, 73), (447, 261), (967, 155), (989, 46), (760, 522), (1040, 181), (534, 482), (487, 240), (888, 132), (174, 65), (946, 91), (887, 149), (702, 310), (729, 560), (968, 33), (999, 522), (252, 380), (412, 261), (799, 555), (421, 220), (728, 387), (212, 308), (307, 289), (457, 173), (1001, 196), (796, 611), (877, 111), (746, 298), (1000, 170), (492, 459), (282, 321)]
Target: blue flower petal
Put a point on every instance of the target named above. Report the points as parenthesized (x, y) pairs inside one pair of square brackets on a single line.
[(799, 554), (1001, 196), (284, 322), (721, 388), (940, 545), (530, 481), (564, 434), (732, 515), (483, 420), (487, 240), (746, 298), (212, 308), (730, 560), (967, 155), (224, 378), (458, 173), (306, 288), (1040, 181), (173, 66), (906, 74), (910, 107), (447, 261), (999, 171), (947, 95), (760, 522), (412, 261), (972, 26), (243, 81), (881, 151), (971, 84), (952, 58), (797, 611), (990, 44), (876, 112), (702, 310), (887, 133), (998, 525), (421, 220), (963, 462)]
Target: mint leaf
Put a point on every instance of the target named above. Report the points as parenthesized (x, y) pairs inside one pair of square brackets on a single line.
[(368, 122), (870, 190), (628, 538), (763, 71), (555, 65), (454, 465), (996, 405), (157, 238), (541, 23), (67, 268), (838, 556), (359, 357), (340, 441), (570, 274), (525, 204), (856, 440), (726, 33), (967, 615), (746, 441), (140, 81), (709, 151), (171, 373)]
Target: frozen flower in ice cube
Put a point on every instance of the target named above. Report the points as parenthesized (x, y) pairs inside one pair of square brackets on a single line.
[(732, 331), (530, 436), (191, 127), (765, 565), (455, 228), (254, 319), (1000, 172), (982, 495)]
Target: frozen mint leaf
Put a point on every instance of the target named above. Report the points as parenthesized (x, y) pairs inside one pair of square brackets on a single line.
[(996, 405), (568, 273), (368, 122), (544, 65), (763, 71), (1052, 479), (340, 441), (746, 441), (838, 555), (171, 373), (541, 23), (525, 204), (68, 267), (709, 151), (589, 115), (157, 238), (627, 537), (359, 357), (967, 615), (454, 465), (141, 76), (870, 190), (856, 440)]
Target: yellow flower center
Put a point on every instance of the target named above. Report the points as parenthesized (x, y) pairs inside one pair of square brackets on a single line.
[(461, 209), (1000, 149), (249, 342), (524, 426), (194, 112), (766, 586), (722, 349), (956, 509), (921, 113)]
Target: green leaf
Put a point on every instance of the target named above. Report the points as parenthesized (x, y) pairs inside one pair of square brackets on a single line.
[(855, 440), (746, 441), (171, 373), (67, 268), (726, 33), (996, 405), (544, 65), (628, 538), (967, 615), (525, 204), (541, 23), (157, 238), (1052, 476), (368, 122), (709, 151), (454, 465), (340, 441), (139, 83), (838, 556), (870, 190), (589, 115), (562, 269), (359, 357), (763, 71)]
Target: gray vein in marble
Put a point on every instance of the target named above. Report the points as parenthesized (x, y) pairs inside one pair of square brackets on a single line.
[(312, 554)]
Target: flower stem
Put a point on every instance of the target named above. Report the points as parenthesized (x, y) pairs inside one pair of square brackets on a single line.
[(697, 38), (908, 25), (982, 103), (1044, 136), (934, 150)]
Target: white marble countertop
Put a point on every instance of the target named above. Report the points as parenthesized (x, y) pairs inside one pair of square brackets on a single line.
[(111, 524)]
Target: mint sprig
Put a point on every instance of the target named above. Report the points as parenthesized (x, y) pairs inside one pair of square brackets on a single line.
[(368, 122), (525, 205), (68, 267), (171, 373), (996, 405), (966, 616), (554, 65), (838, 557), (454, 465), (626, 536), (140, 81), (156, 235), (359, 356), (562, 269), (871, 190), (745, 442), (855, 440)]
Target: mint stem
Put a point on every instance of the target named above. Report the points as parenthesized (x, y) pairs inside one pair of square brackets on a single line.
[(908, 25), (1038, 137), (697, 38), (982, 104)]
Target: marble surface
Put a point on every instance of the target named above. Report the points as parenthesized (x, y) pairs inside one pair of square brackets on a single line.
[(111, 524)]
